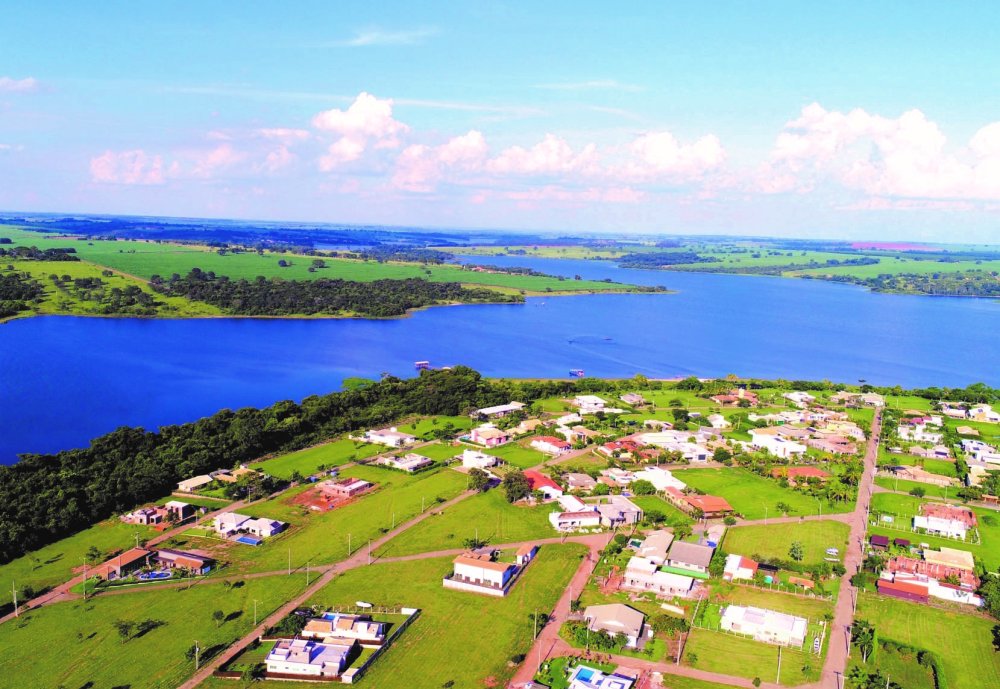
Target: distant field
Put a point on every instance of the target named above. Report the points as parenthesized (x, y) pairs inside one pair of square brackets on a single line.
[(489, 515), (774, 541), (893, 266), (539, 251), (308, 461), (751, 495), (75, 644), (962, 643)]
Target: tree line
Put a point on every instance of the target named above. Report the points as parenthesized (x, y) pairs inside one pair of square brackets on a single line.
[(276, 297), (16, 290), (969, 283), (33, 253)]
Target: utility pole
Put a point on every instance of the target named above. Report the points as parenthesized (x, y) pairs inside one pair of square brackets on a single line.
[(289, 562), (255, 601), (307, 572), (348, 545), (196, 652), (369, 551), (535, 635), (421, 504), (393, 520), (778, 680), (13, 588)]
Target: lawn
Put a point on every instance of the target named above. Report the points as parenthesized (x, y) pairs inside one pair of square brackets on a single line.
[(488, 514), (309, 460), (518, 455), (753, 496), (322, 538), (53, 564), (440, 645), (75, 644), (891, 265), (774, 540), (743, 657), (812, 609), (900, 668), (962, 643), (652, 502), (906, 486), (424, 428)]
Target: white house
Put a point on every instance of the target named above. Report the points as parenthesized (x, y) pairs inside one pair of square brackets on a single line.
[(984, 412), (779, 447), (571, 503), (950, 528), (575, 521), (550, 445), (390, 437), (229, 523), (718, 421), (655, 547), (615, 618), (410, 462), (480, 575), (263, 527), (498, 411), (660, 478), (739, 568), (474, 459), (765, 625), (334, 627), (308, 658), (192, 484), (232, 523), (589, 404), (644, 575)]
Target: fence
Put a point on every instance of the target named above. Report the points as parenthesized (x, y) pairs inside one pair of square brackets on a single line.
[(972, 535), (354, 674)]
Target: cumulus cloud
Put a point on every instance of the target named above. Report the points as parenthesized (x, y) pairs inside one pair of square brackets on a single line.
[(221, 158), (420, 167), (11, 85), (127, 167), (551, 155), (367, 122), (905, 156), (659, 154)]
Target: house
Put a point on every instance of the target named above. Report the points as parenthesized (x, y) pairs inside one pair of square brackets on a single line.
[(879, 542), (834, 444), (660, 478), (575, 521), (586, 677), (123, 564), (550, 445), (540, 482), (577, 481), (949, 528), (172, 559), (263, 527), (527, 426), (764, 625), (739, 568), (949, 557), (710, 506), (633, 399), (618, 477), (525, 554), (498, 411), (616, 510), (307, 658), (474, 459), (146, 516), (717, 421), (967, 430), (480, 575), (589, 404), (644, 576), (803, 474), (904, 590), (902, 564), (872, 399), (690, 557), (737, 397), (620, 448), (799, 399), (615, 618), (953, 512), (344, 488), (578, 434), (179, 511), (336, 627), (571, 503), (390, 437), (655, 546), (765, 439), (229, 523), (984, 412), (489, 435), (410, 462), (190, 485)]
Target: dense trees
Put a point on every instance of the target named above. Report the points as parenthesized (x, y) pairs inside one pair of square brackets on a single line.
[(660, 259), (16, 290), (262, 297), (969, 283), (33, 253)]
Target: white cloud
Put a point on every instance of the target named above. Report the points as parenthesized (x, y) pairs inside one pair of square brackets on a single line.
[(659, 154), (378, 37), (906, 156), (420, 167), (219, 159), (368, 121), (284, 134), (133, 167), (10, 85), (551, 155)]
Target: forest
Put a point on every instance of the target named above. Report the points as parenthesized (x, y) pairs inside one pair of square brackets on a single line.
[(969, 283), (276, 297), (16, 290), (660, 259)]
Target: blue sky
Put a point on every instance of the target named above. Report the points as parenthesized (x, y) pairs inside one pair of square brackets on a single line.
[(853, 120)]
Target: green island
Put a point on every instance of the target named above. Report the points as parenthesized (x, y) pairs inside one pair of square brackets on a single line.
[(705, 530)]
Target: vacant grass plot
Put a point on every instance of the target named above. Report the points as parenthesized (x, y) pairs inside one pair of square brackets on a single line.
[(901, 668), (54, 564), (756, 497), (309, 460), (657, 504), (773, 541), (519, 455), (812, 609), (906, 486), (489, 515), (962, 643), (743, 657), (442, 646), (323, 538), (77, 645), (425, 428)]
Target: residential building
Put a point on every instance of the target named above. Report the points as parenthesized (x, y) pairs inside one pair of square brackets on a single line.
[(525, 554), (618, 477), (190, 485), (390, 437), (146, 516), (585, 677), (949, 528), (194, 562), (764, 625), (307, 658), (339, 628), (660, 478), (589, 404), (498, 411), (576, 481), (690, 557), (344, 488), (263, 527), (718, 421), (904, 590), (550, 445), (474, 459), (708, 506), (953, 512), (645, 576), (123, 564), (777, 446), (575, 521), (480, 575), (527, 426), (736, 397), (633, 399), (489, 435), (799, 399), (620, 448), (655, 547), (410, 462), (179, 511), (739, 568), (616, 510), (615, 618), (540, 482), (949, 557), (230, 524)]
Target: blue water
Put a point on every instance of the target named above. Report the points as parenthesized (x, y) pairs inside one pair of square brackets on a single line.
[(64, 380)]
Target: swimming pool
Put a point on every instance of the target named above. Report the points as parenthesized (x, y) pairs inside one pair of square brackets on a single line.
[(152, 576), (584, 674), (249, 540)]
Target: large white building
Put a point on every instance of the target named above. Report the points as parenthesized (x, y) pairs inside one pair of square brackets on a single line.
[(390, 437), (765, 625), (589, 404), (644, 575), (308, 658), (950, 528), (777, 446), (474, 459), (660, 478)]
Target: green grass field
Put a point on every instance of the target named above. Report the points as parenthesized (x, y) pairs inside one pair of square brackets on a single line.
[(518, 454), (75, 644), (892, 266), (751, 495), (774, 540), (425, 427), (743, 657), (488, 514), (308, 461), (658, 504), (322, 538), (906, 486), (901, 668), (962, 643), (812, 609)]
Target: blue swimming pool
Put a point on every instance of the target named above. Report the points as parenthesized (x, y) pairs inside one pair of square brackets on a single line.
[(584, 674), (152, 576), (249, 540)]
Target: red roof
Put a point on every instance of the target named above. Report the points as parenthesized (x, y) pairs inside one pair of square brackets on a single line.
[(903, 587), (551, 441), (539, 481), (747, 563), (709, 503)]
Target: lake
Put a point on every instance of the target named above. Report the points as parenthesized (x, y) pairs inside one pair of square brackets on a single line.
[(64, 380)]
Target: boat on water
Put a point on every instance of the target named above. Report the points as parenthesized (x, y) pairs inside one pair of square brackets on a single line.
[(576, 372)]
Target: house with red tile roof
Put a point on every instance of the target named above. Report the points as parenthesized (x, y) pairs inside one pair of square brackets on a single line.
[(804, 473), (550, 445), (543, 483)]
